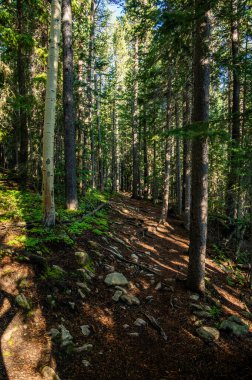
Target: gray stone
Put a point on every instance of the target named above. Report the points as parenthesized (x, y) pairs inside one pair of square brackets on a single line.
[(135, 334), (208, 333), (83, 286), (126, 326), (122, 289), (158, 286), (234, 325), (194, 297), (84, 274), (72, 305), (48, 373), (58, 269), (140, 322), (85, 329), (134, 258), (54, 333), (81, 257), (81, 294), (130, 299), (85, 347), (22, 301), (117, 295), (66, 338), (116, 278), (86, 363)]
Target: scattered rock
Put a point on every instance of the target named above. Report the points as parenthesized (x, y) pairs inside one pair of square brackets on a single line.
[(22, 301), (122, 289), (83, 286), (85, 329), (116, 278), (133, 334), (234, 325), (84, 274), (51, 301), (109, 268), (48, 373), (72, 305), (194, 297), (59, 270), (117, 295), (126, 326), (202, 314), (81, 294), (54, 333), (140, 322), (208, 333), (158, 286), (66, 339), (86, 363), (85, 347), (130, 299), (134, 258)]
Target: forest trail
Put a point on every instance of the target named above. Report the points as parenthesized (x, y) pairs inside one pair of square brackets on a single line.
[(154, 260)]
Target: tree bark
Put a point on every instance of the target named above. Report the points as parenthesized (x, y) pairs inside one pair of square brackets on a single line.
[(68, 107), (22, 91), (199, 208), (135, 143), (233, 180), (49, 117), (187, 160), (165, 206), (178, 164)]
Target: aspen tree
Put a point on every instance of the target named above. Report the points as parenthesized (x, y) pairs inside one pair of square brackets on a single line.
[(49, 116)]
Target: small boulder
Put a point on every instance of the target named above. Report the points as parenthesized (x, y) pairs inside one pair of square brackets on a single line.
[(234, 325), (85, 329), (140, 322), (208, 333), (158, 286), (81, 257), (130, 300), (85, 347), (116, 278), (86, 363), (117, 295), (134, 258), (134, 334), (194, 297), (83, 286)]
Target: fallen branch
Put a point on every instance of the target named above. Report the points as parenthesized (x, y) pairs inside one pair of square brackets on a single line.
[(156, 326), (86, 215)]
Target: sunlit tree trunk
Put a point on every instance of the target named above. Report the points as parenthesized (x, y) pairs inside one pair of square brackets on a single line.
[(49, 116), (200, 114), (98, 115), (68, 108)]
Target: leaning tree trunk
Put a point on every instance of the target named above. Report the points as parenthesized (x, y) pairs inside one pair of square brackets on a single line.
[(49, 118), (68, 107), (199, 208), (165, 206)]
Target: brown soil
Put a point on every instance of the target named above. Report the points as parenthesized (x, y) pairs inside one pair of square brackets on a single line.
[(26, 346)]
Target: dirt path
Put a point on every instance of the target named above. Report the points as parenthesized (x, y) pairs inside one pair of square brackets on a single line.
[(120, 349)]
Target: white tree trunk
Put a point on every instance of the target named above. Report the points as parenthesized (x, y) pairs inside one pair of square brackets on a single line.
[(49, 117)]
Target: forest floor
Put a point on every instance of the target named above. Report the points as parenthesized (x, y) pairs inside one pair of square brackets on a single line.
[(112, 347)]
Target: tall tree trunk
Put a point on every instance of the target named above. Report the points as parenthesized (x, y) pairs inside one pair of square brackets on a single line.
[(233, 180), (116, 162), (91, 89), (22, 91), (145, 156), (49, 117), (165, 206), (98, 114), (187, 159), (135, 145), (68, 107), (178, 165), (199, 208)]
